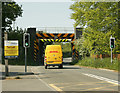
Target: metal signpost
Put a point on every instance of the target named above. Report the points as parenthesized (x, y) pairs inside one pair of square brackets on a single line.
[(6, 60), (26, 44), (25, 59), (112, 45)]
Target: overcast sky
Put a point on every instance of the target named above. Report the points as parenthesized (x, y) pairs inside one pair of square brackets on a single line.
[(45, 14)]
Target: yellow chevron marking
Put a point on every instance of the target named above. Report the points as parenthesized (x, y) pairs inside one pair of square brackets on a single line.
[(49, 40), (52, 35), (56, 40), (52, 40), (45, 39), (72, 35), (45, 35), (35, 44), (59, 40), (42, 40), (73, 53), (73, 47), (34, 53), (37, 40), (66, 40), (63, 40), (35, 50), (38, 35), (65, 35), (73, 40), (59, 35)]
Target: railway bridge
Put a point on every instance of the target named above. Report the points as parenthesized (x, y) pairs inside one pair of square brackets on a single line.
[(40, 37)]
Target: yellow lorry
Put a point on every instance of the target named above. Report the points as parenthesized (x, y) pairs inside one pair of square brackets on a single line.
[(53, 56)]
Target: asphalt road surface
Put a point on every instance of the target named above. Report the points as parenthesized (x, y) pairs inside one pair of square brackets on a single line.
[(73, 78), (70, 78)]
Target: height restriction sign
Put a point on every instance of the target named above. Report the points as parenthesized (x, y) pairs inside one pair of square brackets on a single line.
[(11, 48)]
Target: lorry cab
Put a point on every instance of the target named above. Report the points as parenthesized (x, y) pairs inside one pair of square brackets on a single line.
[(53, 56)]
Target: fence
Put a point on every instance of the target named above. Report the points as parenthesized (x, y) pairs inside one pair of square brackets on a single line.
[(105, 56)]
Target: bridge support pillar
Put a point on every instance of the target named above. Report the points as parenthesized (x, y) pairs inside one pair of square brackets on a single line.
[(32, 32), (40, 53)]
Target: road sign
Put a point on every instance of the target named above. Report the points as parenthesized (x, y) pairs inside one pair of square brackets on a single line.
[(11, 49), (26, 40)]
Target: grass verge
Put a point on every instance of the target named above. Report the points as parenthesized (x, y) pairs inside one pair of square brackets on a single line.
[(98, 63)]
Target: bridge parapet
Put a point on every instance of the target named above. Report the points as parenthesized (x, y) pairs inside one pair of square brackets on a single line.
[(55, 29)]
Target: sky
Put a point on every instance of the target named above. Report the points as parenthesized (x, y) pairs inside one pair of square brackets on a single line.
[(45, 14)]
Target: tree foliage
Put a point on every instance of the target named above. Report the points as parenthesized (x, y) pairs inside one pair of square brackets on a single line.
[(10, 11), (100, 21)]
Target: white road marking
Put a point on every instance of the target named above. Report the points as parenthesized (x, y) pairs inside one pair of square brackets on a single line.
[(43, 81), (103, 78)]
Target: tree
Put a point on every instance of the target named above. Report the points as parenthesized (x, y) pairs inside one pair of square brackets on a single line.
[(10, 11), (100, 20)]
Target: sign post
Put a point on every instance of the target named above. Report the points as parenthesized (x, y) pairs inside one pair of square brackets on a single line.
[(6, 61), (25, 59), (26, 44), (111, 55), (10, 51), (112, 45)]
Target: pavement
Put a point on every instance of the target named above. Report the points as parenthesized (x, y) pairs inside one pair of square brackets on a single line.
[(16, 81), (1, 76)]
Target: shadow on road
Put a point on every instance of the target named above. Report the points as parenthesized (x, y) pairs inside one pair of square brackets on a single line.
[(71, 68), (64, 67), (17, 73), (66, 63)]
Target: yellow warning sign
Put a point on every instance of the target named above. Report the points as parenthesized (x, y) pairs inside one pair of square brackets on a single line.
[(11, 48), (11, 53)]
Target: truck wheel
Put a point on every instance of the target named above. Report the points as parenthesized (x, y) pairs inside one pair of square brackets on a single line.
[(61, 66), (46, 67)]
